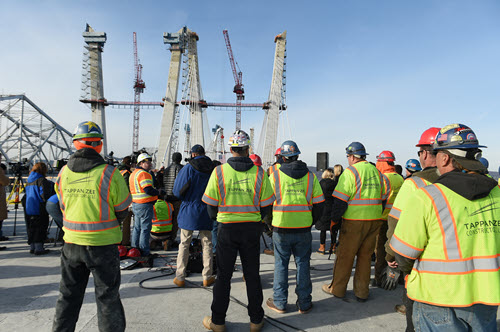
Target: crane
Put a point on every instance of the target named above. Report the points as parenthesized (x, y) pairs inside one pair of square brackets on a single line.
[(139, 87), (238, 82)]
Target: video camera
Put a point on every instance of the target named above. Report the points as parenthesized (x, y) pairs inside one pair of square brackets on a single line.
[(20, 168), (58, 164)]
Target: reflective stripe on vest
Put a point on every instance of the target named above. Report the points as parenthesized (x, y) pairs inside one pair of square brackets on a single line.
[(223, 208), (309, 193), (419, 183), (138, 194), (104, 213)]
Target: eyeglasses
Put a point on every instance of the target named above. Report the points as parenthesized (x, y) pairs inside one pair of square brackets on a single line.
[(420, 152)]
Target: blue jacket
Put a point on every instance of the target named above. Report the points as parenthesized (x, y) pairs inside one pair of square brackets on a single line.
[(38, 191), (189, 187)]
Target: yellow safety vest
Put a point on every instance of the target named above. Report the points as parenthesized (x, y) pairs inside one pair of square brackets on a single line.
[(363, 188), (405, 193), (238, 195), (396, 181), (294, 199), (456, 245), (162, 219), (88, 201)]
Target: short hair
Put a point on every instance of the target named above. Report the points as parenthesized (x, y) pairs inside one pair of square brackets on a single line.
[(127, 160), (40, 168), (239, 149), (176, 157), (337, 170), (327, 174)]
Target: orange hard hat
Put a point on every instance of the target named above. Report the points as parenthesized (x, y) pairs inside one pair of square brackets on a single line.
[(428, 136)]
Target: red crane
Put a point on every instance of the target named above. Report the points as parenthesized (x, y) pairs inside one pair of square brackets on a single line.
[(139, 87), (238, 82)]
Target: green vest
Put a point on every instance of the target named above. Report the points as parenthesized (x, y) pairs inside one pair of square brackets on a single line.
[(405, 194), (238, 195), (88, 201), (294, 199), (396, 181), (456, 244), (162, 220), (363, 188)]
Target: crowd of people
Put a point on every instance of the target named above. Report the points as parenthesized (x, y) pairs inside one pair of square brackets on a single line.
[(436, 229)]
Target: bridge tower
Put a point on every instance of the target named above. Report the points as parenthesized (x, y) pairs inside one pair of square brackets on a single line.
[(275, 104), (93, 88)]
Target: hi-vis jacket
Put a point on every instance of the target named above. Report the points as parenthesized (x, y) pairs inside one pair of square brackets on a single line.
[(456, 244), (238, 195), (162, 219), (364, 189), (294, 199), (396, 181), (88, 201), (140, 179), (406, 191)]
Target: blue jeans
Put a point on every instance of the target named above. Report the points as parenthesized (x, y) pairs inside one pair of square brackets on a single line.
[(143, 222), (477, 318), (298, 244)]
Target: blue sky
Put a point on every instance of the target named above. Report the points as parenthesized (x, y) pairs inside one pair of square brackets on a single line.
[(378, 72)]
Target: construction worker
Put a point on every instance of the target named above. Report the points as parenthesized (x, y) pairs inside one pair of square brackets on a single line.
[(169, 175), (298, 194), (358, 205), (124, 168), (161, 224), (193, 216), (385, 164), (238, 195), (412, 166), (418, 180), (448, 239), (144, 196), (94, 199), (277, 163)]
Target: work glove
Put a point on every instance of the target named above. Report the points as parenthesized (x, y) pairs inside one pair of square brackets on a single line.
[(389, 278)]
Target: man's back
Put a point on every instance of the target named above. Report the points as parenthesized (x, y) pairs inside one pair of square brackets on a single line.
[(169, 175)]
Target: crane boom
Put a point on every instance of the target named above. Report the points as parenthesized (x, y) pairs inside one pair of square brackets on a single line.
[(238, 79), (139, 87)]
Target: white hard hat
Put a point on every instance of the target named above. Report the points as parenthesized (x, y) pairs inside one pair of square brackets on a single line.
[(239, 139), (142, 157)]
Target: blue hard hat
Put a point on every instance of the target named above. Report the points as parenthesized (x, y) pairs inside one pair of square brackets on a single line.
[(289, 149), (484, 161), (87, 129), (356, 148), (456, 136), (413, 165)]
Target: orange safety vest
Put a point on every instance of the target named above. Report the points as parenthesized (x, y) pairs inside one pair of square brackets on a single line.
[(140, 179)]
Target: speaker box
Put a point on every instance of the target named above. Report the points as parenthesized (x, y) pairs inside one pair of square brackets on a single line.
[(322, 159)]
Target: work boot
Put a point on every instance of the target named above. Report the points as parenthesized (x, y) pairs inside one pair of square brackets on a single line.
[(207, 322), (208, 282), (327, 289), (256, 327), (270, 304), (305, 311), (179, 283), (400, 308), (321, 249)]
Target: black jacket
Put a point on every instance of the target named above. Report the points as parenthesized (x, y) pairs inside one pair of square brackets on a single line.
[(328, 186), (169, 175)]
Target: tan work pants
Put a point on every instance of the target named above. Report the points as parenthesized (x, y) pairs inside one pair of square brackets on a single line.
[(183, 255), (357, 239)]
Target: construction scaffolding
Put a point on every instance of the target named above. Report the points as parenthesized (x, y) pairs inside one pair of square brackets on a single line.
[(28, 135)]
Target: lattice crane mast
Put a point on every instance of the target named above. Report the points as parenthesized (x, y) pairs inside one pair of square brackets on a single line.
[(238, 82), (139, 87)]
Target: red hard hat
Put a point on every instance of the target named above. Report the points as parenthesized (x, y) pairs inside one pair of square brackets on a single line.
[(122, 250), (256, 159), (278, 152), (386, 156), (134, 252), (428, 136)]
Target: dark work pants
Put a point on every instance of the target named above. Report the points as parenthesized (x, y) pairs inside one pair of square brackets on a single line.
[(409, 312), (76, 264), (242, 238), (322, 237), (37, 228)]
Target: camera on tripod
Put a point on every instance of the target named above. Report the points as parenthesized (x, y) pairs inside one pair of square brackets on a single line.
[(20, 168), (58, 164)]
